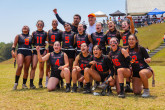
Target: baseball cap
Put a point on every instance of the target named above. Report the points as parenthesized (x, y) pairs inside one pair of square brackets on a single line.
[(92, 15)]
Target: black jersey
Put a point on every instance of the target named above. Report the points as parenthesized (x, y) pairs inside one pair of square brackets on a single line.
[(67, 39), (98, 39), (54, 35), (84, 61), (39, 38), (118, 59), (103, 64), (24, 41), (81, 39), (56, 60), (125, 36), (111, 34), (139, 57)]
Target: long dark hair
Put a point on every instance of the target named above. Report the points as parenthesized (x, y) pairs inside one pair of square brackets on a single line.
[(137, 46)]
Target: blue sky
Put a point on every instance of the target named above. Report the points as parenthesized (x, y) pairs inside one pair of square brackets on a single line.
[(14, 14)]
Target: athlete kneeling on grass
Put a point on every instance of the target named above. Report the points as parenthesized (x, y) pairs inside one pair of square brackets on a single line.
[(121, 61), (24, 55), (100, 69), (141, 70), (59, 66), (81, 62)]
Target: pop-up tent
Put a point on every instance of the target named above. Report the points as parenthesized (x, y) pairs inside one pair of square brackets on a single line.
[(100, 14), (156, 12), (117, 13)]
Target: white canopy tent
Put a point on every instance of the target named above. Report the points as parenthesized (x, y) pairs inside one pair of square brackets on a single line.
[(142, 7), (100, 14)]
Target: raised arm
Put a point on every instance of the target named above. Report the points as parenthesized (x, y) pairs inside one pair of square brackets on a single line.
[(58, 17), (132, 28), (40, 58)]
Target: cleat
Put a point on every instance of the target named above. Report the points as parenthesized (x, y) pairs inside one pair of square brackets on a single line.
[(87, 91), (24, 86), (128, 89), (146, 93), (15, 86), (58, 86), (40, 86), (74, 89), (62, 84), (121, 95), (95, 86), (80, 85), (32, 86), (68, 89)]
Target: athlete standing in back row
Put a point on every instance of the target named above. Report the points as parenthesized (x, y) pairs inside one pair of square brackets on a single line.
[(24, 55), (39, 38), (74, 25), (53, 35)]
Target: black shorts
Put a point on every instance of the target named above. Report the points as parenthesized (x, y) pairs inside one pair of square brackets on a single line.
[(51, 49), (136, 72), (82, 72), (41, 52), (24, 52), (70, 53), (108, 50), (56, 74), (104, 76)]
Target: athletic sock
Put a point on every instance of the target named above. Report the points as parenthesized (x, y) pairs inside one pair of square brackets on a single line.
[(74, 85), (67, 84), (16, 78), (128, 83), (121, 87), (31, 82), (40, 81), (24, 81)]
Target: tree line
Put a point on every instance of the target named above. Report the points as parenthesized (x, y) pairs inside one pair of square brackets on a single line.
[(5, 51)]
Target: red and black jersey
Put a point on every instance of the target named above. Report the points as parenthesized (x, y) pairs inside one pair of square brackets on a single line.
[(24, 41), (111, 34), (81, 39), (99, 39), (56, 60), (139, 57), (68, 39), (118, 59), (125, 36), (54, 35), (84, 61), (103, 64), (39, 38)]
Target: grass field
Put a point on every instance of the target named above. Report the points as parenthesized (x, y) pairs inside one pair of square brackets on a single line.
[(151, 36), (42, 99)]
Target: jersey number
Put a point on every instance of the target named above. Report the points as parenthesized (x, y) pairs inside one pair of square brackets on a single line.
[(79, 43), (116, 62), (39, 40), (124, 40), (98, 39), (57, 62), (53, 38), (99, 67), (109, 39), (134, 58), (26, 41), (67, 39), (82, 66)]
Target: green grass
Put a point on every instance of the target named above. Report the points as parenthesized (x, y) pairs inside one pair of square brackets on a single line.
[(151, 36), (159, 58), (42, 99)]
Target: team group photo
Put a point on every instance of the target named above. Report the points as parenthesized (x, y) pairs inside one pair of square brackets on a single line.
[(83, 58)]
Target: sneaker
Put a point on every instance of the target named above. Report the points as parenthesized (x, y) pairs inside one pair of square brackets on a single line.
[(128, 89), (24, 86), (40, 86), (32, 86), (87, 91), (74, 89), (95, 86), (68, 89), (121, 95), (15, 86), (146, 93), (46, 83)]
